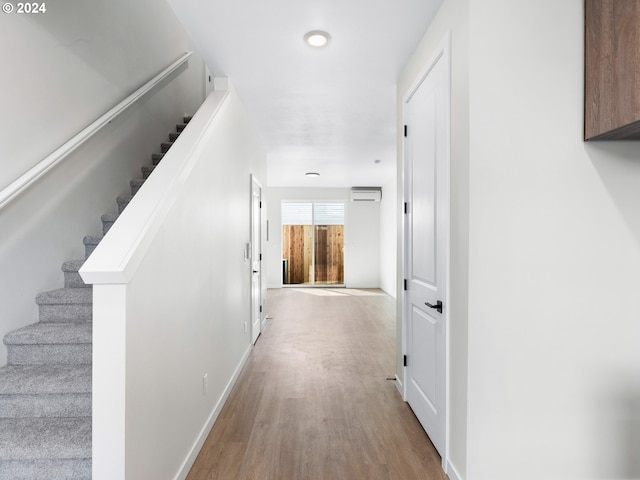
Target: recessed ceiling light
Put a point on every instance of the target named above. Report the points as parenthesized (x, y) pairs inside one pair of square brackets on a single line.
[(317, 38), (312, 174)]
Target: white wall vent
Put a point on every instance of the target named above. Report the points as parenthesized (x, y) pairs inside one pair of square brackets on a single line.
[(366, 194)]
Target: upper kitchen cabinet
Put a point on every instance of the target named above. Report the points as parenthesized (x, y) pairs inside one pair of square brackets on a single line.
[(612, 70)]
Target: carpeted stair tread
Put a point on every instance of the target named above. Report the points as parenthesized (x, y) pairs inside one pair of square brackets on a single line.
[(165, 146), (65, 296), (180, 127), (62, 469), (50, 343), (91, 240), (72, 278), (137, 183), (173, 136), (45, 391), (44, 379), (123, 201), (109, 217), (147, 170), (187, 118), (66, 305), (44, 438), (90, 244), (107, 222), (49, 405), (157, 157), (72, 265), (51, 334)]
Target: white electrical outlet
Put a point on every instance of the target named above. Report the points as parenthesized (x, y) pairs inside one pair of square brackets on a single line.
[(205, 383)]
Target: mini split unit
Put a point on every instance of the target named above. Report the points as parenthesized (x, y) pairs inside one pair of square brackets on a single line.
[(366, 194)]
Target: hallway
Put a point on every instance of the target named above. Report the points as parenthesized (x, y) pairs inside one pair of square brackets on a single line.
[(313, 401)]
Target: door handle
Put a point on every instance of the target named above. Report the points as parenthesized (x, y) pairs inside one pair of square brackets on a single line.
[(255, 271), (437, 306)]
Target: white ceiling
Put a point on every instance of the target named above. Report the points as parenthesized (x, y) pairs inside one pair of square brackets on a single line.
[(329, 110)]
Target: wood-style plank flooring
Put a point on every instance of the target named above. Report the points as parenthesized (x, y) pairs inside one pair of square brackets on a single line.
[(313, 401)]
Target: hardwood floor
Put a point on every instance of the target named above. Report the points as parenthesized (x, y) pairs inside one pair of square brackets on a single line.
[(313, 401)]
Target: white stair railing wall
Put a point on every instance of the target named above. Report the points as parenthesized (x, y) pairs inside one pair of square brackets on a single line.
[(171, 295)]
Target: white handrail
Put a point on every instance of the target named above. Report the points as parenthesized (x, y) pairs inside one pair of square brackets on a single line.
[(18, 186)]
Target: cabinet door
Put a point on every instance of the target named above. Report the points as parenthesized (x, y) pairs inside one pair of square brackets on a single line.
[(612, 69)]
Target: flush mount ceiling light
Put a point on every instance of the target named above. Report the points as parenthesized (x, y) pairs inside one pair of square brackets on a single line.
[(312, 174), (317, 38)]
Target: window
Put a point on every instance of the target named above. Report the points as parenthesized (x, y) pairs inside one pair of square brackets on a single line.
[(313, 243)]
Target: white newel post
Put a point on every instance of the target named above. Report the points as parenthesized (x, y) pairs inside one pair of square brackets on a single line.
[(109, 381)]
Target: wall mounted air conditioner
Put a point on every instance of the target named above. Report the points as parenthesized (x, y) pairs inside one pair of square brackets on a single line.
[(366, 194)]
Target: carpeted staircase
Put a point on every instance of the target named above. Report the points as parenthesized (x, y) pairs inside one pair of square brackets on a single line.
[(45, 388)]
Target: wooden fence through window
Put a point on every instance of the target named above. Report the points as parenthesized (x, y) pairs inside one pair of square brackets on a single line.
[(329, 256)]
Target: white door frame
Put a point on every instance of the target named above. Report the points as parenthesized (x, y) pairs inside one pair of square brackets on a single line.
[(256, 251), (443, 51)]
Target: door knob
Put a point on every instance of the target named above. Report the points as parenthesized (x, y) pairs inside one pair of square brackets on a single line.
[(437, 306)]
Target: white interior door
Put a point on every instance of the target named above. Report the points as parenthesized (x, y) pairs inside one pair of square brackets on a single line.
[(256, 259), (425, 309)]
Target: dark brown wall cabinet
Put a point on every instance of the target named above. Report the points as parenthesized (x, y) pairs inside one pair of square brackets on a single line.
[(612, 70)]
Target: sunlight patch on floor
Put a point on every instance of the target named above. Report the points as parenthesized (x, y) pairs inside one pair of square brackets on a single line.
[(339, 292)]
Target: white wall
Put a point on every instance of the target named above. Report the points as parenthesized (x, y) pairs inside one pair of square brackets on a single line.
[(65, 68), (554, 261), (362, 235), (197, 325), (71, 64), (452, 17), (362, 252), (187, 299), (388, 249)]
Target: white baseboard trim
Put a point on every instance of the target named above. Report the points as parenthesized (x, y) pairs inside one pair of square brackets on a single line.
[(204, 433), (399, 386), (452, 472)]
